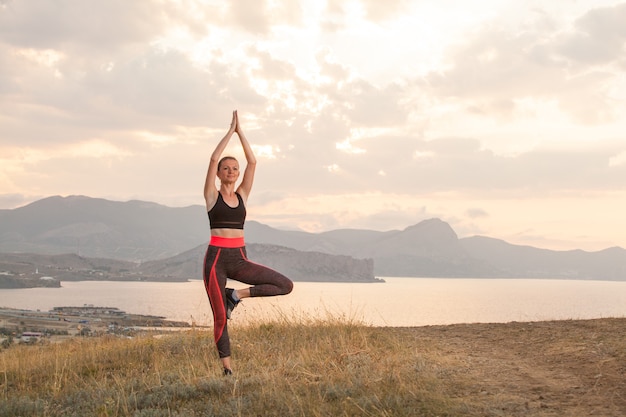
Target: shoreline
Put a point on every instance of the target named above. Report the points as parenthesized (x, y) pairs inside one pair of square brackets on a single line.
[(62, 323)]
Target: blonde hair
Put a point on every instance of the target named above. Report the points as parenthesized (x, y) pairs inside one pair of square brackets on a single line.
[(226, 158)]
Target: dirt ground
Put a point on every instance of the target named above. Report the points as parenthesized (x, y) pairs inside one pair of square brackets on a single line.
[(558, 368)]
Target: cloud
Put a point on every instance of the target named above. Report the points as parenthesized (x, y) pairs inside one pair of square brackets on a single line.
[(270, 68), (250, 15), (617, 160), (260, 16), (380, 11), (475, 213), (339, 11), (372, 106), (598, 37), (497, 65), (157, 90), (100, 27)]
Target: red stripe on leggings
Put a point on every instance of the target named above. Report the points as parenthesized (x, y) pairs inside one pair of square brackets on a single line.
[(217, 303)]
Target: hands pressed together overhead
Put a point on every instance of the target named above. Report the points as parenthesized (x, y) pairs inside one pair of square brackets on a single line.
[(235, 127)]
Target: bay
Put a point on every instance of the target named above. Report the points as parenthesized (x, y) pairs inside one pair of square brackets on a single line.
[(397, 302)]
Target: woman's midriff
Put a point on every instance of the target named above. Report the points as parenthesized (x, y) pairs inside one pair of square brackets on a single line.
[(227, 232)]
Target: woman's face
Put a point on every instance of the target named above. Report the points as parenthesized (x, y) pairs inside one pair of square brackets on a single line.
[(228, 171)]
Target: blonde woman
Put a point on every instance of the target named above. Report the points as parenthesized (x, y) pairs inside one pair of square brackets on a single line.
[(226, 256)]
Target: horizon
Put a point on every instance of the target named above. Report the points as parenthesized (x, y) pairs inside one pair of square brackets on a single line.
[(329, 230), (502, 118)]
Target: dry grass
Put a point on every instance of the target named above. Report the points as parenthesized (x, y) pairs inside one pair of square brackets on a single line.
[(282, 368)]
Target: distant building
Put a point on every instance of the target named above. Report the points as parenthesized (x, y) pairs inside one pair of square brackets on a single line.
[(89, 310), (31, 337)]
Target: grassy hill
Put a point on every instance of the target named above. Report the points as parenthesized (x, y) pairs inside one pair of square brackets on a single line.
[(328, 368)]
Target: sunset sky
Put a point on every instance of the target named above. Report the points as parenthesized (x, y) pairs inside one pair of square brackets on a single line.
[(504, 118)]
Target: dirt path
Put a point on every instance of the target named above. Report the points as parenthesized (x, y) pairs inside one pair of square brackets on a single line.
[(560, 368)]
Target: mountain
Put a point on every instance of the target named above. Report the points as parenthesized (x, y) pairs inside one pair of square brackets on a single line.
[(77, 238), (93, 227), (527, 262), (148, 232), (297, 265), (21, 270), (428, 249)]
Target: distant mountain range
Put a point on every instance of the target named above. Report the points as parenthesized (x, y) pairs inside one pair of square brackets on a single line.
[(26, 270), (157, 236)]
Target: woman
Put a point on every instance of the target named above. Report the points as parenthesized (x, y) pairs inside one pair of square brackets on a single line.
[(226, 255)]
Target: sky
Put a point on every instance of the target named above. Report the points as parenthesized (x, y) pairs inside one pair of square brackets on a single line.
[(504, 118)]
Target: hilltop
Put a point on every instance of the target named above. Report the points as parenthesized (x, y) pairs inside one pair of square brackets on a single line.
[(329, 368)]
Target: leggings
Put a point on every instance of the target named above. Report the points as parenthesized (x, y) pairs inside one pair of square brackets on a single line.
[(227, 258)]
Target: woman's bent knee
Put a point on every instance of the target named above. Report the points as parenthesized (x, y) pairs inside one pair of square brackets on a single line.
[(287, 287)]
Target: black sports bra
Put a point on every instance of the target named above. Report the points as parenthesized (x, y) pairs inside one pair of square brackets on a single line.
[(223, 216)]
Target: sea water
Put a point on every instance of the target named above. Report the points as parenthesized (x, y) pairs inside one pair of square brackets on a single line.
[(396, 302)]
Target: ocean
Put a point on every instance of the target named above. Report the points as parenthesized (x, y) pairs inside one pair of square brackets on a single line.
[(396, 302)]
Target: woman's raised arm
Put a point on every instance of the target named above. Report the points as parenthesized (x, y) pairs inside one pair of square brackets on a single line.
[(248, 174), (210, 190)]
